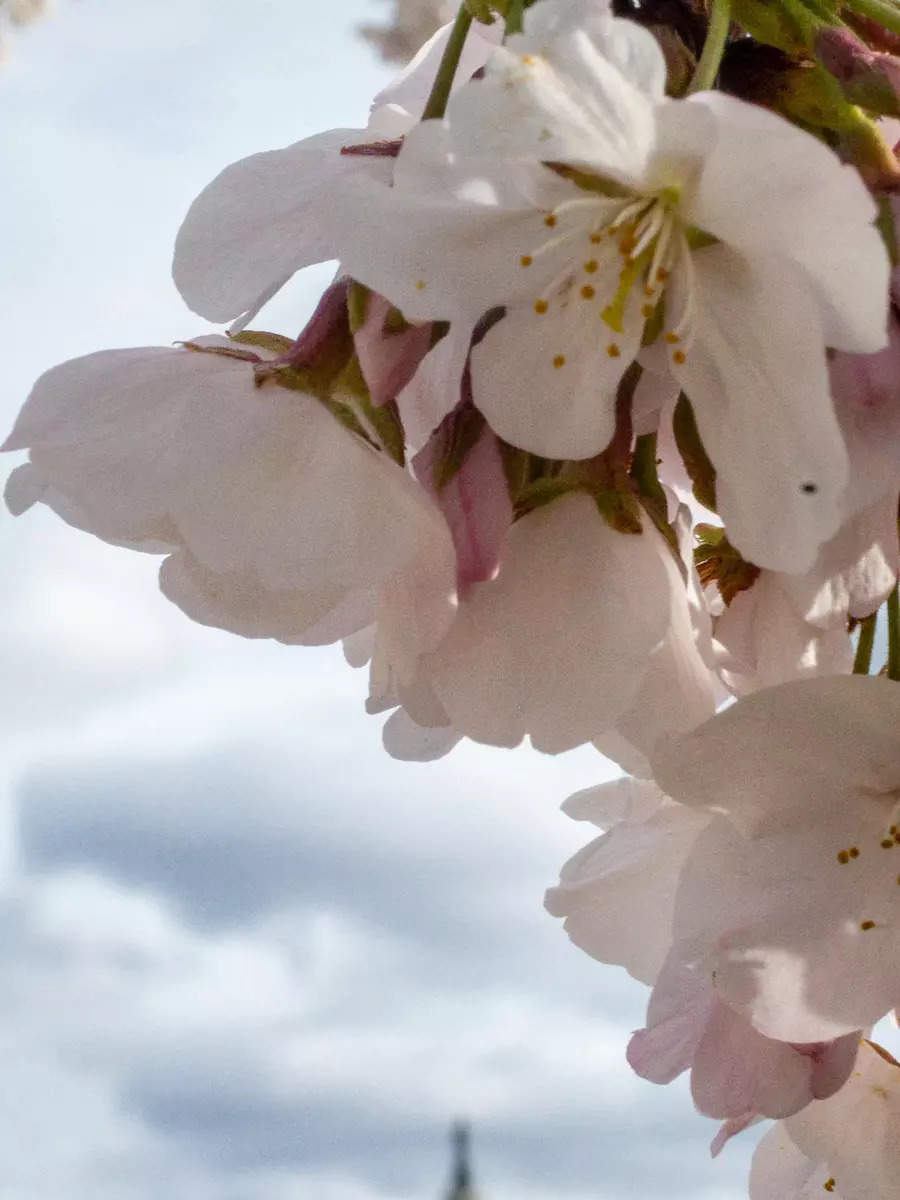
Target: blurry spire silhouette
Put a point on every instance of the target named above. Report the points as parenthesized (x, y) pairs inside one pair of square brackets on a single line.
[(461, 1187)]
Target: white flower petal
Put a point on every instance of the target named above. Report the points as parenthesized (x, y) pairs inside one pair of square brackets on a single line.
[(266, 491), (263, 218), (781, 1169), (768, 188), (554, 646), (547, 381), (759, 388)]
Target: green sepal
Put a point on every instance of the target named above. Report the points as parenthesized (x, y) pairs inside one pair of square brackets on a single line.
[(543, 491), (696, 461), (320, 377), (385, 420), (222, 351), (357, 305), (394, 322), (275, 343), (719, 562), (620, 510)]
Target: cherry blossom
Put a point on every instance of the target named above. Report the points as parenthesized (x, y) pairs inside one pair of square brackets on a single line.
[(278, 522), (796, 887), (620, 897), (566, 187)]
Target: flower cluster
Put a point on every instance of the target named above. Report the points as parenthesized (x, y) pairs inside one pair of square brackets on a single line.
[(596, 429)]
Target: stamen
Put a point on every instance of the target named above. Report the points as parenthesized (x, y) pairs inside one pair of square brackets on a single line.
[(652, 225), (540, 306), (588, 292), (550, 220), (613, 350), (526, 260), (559, 360)]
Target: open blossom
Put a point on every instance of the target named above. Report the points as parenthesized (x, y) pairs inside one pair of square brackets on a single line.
[(620, 898), (795, 889), (566, 187), (277, 521), (847, 1146)]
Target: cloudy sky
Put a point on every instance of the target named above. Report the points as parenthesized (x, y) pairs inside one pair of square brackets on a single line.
[(245, 956)]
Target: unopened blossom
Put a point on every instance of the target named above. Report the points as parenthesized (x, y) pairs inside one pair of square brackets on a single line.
[(566, 187), (277, 521), (794, 891), (847, 1146)]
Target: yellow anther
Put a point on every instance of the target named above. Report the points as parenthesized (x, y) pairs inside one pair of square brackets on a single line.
[(528, 60), (588, 292), (540, 306), (627, 241), (843, 856), (679, 356), (853, 851), (829, 1185), (550, 220), (893, 830), (887, 843), (613, 350), (672, 338), (420, 285), (526, 260), (559, 361), (596, 238), (866, 925), (591, 266), (662, 274), (897, 838), (648, 290)]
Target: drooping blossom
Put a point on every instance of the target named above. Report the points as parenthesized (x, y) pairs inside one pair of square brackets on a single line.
[(276, 519), (556, 646), (568, 188)]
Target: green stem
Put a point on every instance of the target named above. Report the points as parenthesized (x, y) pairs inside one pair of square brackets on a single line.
[(863, 659), (643, 468), (893, 619), (515, 11), (882, 11), (443, 81), (714, 46)]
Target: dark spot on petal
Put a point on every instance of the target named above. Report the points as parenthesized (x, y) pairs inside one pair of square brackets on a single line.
[(809, 488)]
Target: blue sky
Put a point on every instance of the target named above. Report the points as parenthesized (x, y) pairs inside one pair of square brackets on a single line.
[(245, 955)]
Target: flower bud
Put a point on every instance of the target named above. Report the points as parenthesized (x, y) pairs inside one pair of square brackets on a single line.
[(867, 77)]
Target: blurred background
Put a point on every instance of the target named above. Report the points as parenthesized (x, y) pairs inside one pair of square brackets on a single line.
[(243, 954)]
